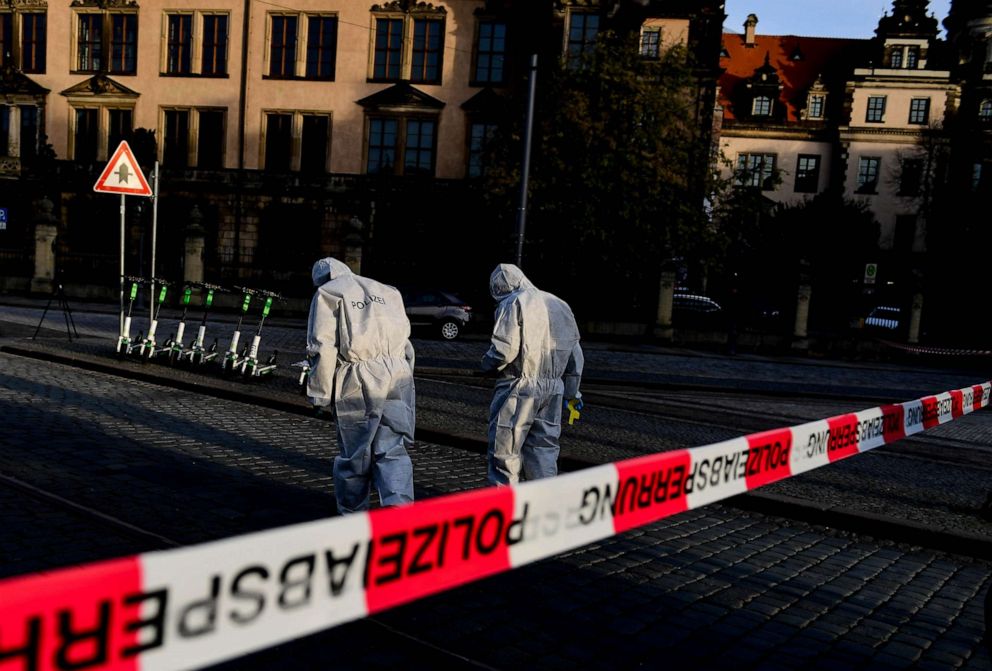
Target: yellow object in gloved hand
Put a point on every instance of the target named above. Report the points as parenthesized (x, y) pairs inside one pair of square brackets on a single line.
[(574, 405)]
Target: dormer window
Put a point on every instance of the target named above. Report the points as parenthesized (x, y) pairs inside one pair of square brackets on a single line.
[(762, 106), (904, 56), (912, 57), (814, 109), (763, 89)]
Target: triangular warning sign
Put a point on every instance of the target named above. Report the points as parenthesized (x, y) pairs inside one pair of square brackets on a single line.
[(122, 175)]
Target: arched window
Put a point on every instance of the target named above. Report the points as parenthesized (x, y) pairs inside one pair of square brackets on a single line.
[(985, 110)]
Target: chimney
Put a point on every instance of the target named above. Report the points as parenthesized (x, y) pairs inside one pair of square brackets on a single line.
[(749, 25)]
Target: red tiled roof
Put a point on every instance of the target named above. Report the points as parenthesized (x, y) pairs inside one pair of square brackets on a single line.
[(827, 56)]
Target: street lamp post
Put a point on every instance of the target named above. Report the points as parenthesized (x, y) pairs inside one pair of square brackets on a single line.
[(525, 172)]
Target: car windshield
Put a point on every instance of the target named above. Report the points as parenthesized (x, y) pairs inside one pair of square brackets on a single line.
[(451, 298), (423, 297)]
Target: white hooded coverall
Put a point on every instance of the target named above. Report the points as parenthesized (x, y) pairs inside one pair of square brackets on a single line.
[(535, 347), (362, 362)]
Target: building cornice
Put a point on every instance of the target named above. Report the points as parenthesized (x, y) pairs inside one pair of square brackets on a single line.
[(880, 135), (735, 129)]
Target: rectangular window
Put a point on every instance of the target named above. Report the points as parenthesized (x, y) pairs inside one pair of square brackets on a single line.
[(30, 132), (911, 177), (282, 52), (582, 32), (807, 173), (119, 125), (905, 232), (651, 44), (278, 142), (383, 135), (388, 49), (4, 130), (876, 109), (815, 107), (919, 110), (86, 134), (490, 53), (322, 44), (313, 151), (176, 151), (912, 57), (428, 36), (33, 31), (180, 44), (90, 43), (982, 177), (479, 136), (210, 139), (418, 156), (123, 44), (761, 106), (756, 170), (868, 174), (895, 60), (214, 61), (6, 37)]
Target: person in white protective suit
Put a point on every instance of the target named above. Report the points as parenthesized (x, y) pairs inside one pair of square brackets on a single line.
[(362, 365), (536, 355)]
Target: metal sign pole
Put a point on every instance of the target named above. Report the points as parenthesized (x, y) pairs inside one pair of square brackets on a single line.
[(121, 279), (154, 232)]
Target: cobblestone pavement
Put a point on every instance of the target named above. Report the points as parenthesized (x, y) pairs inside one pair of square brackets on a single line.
[(712, 588), (899, 484)]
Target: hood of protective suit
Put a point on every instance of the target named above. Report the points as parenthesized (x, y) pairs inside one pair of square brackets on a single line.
[(506, 279), (327, 269)]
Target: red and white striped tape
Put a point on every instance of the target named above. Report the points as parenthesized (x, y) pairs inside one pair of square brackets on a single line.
[(191, 607)]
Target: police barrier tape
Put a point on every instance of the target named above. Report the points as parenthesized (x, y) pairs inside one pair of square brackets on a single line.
[(191, 607)]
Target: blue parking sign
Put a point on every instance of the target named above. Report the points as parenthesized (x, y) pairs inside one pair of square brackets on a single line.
[(3, 218)]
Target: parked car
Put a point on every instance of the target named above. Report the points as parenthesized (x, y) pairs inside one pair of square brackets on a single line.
[(883, 317), (695, 310), (443, 312)]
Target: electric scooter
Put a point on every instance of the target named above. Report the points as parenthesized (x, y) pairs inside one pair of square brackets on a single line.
[(305, 367), (124, 342), (148, 344), (232, 358), (250, 365), (174, 345), (197, 353)]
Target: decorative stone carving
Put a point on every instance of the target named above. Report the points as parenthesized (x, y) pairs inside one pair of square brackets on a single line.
[(100, 85), (409, 7), (106, 4), (24, 4)]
